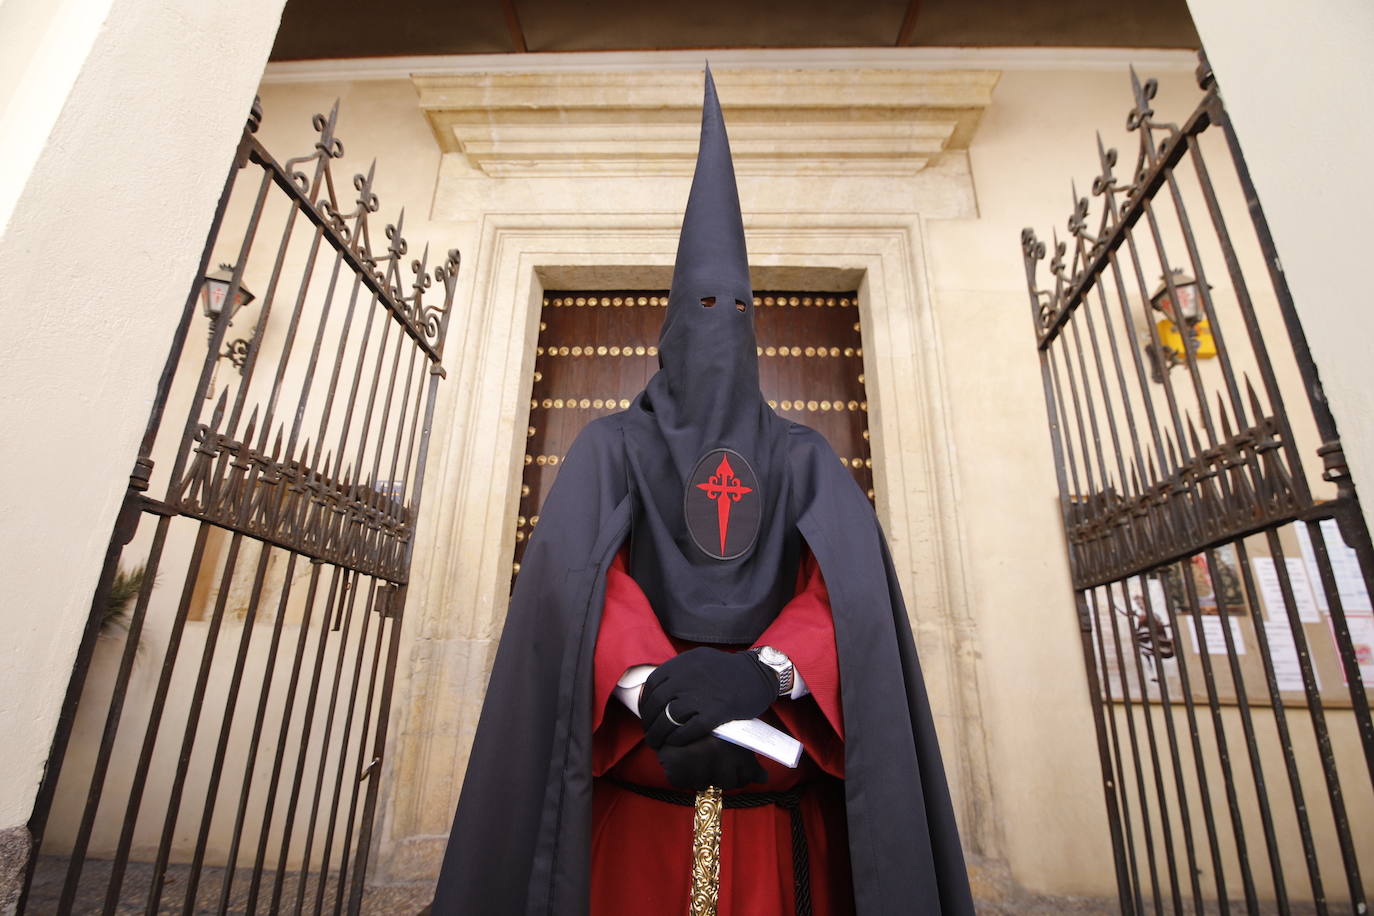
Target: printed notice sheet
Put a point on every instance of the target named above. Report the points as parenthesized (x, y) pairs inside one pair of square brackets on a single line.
[(1216, 639), (1344, 566), (1266, 577), (1284, 654)]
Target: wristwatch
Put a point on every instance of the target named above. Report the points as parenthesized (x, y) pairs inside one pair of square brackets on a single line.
[(781, 665)]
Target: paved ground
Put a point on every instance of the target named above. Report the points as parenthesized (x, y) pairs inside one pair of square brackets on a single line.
[(402, 900), (47, 890)]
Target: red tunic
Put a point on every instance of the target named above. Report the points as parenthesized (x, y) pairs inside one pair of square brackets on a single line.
[(641, 848)]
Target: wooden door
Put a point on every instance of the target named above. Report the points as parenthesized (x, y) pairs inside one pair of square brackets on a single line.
[(597, 350)]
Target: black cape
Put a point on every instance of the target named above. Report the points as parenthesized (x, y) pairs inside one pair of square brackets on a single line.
[(521, 841)]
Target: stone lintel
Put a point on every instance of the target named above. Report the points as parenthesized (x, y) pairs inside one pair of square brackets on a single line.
[(809, 122)]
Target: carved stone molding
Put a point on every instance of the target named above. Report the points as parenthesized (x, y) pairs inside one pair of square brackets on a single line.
[(866, 122)]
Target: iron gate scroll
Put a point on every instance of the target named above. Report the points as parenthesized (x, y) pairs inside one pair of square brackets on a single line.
[(1221, 563), (222, 735)]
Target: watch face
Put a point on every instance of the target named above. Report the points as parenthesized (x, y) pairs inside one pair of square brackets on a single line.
[(770, 656)]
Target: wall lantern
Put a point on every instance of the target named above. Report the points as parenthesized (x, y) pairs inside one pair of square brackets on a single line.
[(216, 287), (1181, 327), (213, 292)]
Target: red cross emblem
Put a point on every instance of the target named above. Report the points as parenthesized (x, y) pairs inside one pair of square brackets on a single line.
[(726, 489)]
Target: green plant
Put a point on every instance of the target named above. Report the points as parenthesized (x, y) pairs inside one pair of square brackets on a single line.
[(123, 590)]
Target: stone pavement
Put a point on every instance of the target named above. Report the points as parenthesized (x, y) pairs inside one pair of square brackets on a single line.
[(994, 897), (403, 900)]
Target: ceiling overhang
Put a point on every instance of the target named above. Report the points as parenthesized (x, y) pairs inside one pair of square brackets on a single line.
[(873, 122)]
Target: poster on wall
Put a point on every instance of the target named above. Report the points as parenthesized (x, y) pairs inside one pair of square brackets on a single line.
[(1133, 638), (1211, 596), (1362, 639)]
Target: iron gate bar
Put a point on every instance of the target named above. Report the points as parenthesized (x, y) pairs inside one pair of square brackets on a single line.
[(1195, 740), (1281, 726), (1096, 690), (282, 498), (1135, 756), (241, 811), (1349, 664), (1314, 706), (337, 589), (1140, 511), (164, 848), (1166, 823), (1223, 749), (126, 836), (359, 774), (264, 833), (343, 746), (1157, 640), (222, 745), (347, 616), (1248, 731)]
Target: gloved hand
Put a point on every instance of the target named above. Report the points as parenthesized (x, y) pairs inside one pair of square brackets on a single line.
[(710, 761), (703, 688)]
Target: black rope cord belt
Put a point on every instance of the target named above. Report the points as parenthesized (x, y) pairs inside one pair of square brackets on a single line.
[(789, 801)]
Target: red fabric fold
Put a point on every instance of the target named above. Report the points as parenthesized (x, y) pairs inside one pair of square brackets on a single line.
[(641, 848)]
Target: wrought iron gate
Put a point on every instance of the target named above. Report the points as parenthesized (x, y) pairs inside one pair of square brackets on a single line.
[(1221, 563), (228, 712)]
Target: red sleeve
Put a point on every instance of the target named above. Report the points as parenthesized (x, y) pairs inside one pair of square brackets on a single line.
[(805, 632), (630, 635)]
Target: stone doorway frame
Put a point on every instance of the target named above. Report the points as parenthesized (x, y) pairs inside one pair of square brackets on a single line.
[(463, 558)]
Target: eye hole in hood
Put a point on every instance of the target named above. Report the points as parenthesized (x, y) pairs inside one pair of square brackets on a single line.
[(710, 302)]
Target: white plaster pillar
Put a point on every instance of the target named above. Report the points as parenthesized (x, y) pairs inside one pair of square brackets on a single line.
[(119, 123), (1295, 78)]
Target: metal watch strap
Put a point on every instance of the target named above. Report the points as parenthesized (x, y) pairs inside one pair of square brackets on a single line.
[(785, 670)]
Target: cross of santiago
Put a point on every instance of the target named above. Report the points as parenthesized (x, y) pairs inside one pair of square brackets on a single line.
[(725, 488)]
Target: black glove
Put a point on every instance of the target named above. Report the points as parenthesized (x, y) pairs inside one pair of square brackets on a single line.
[(710, 762), (703, 688)]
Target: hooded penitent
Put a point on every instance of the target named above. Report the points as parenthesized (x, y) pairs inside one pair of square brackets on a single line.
[(716, 496), (712, 546)]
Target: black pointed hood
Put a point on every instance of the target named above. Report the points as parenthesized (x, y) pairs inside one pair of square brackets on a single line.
[(712, 262), (713, 544)]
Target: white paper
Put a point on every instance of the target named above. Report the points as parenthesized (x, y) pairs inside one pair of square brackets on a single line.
[(762, 738), (1216, 639), (1345, 566), (1284, 654), (1267, 578), (751, 734)]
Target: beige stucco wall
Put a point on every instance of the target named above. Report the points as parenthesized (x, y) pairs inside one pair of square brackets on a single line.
[(1037, 135), (121, 122), (1285, 72)]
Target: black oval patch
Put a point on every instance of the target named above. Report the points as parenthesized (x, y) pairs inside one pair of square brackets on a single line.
[(722, 505)]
